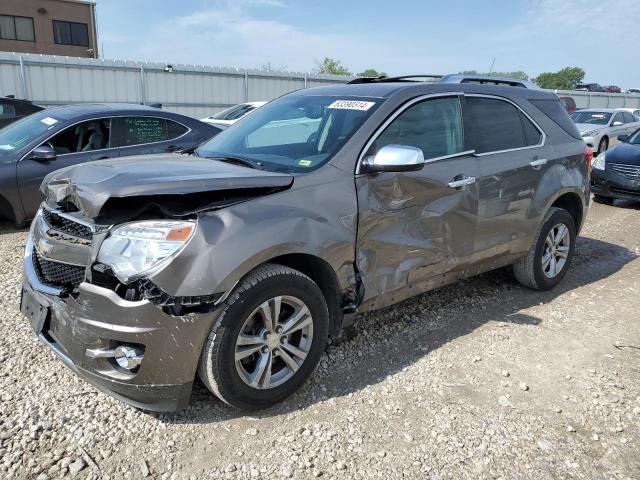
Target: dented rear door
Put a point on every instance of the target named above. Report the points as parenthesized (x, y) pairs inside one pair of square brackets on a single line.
[(417, 229)]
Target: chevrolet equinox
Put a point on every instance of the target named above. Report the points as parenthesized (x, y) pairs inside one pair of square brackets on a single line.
[(237, 262)]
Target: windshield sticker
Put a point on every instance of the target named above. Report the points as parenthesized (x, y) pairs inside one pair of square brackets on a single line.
[(49, 121), (352, 105), (304, 163)]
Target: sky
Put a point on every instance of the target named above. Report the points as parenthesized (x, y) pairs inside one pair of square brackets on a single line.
[(399, 37)]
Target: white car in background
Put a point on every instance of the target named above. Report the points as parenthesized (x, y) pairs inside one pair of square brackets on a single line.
[(231, 115), (633, 111), (600, 127)]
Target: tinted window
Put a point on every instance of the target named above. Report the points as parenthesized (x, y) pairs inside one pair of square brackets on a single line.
[(175, 130), (617, 118), (434, 126), (70, 33), (628, 118), (531, 132), (83, 137), (7, 110), (139, 130), (495, 125), (556, 112)]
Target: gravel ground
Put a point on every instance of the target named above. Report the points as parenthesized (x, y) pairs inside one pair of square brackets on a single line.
[(481, 379)]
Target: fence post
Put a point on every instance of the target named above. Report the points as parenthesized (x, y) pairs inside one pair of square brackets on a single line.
[(589, 102), (23, 79), (143, 94), (246, 86), (305, 80)]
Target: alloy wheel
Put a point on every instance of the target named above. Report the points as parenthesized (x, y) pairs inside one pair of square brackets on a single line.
[(556, 250), (274, 342)]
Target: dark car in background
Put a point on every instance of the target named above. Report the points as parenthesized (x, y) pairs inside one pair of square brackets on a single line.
[(60, 137), (613, 89), (12, 109), (616, 172), (590, 87)]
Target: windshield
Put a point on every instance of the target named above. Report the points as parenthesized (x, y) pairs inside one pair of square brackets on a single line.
[(234, 112), (295, 133), (18, 134), (634, 138), (594, 118)]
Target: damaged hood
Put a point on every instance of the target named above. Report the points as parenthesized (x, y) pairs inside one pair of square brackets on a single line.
[(172, 177)]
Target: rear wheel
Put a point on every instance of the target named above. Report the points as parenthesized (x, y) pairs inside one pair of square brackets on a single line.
[(547, 262), (603, 145), (267, 340)]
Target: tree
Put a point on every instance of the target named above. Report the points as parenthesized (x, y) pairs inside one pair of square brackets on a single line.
[(371, 72), (565, 79), (518, 74), (331, 66)]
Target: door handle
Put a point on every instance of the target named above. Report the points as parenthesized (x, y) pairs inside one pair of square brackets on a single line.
[(463, 182), (537, 164)]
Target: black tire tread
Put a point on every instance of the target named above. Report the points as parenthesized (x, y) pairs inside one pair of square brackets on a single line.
[(207, 366)]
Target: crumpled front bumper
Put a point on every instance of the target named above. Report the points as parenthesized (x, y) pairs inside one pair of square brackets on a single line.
[(98, 319)]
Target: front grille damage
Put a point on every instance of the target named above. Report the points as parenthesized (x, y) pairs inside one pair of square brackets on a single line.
[(61, 224), (56, 274)]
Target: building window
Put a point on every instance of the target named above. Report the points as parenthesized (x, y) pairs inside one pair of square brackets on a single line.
[(17, 28), (70, 33)]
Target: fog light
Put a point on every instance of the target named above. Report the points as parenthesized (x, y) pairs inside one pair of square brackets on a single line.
[(128, 357)]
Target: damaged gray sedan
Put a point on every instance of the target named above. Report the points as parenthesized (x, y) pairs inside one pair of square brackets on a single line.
[(237, 262)]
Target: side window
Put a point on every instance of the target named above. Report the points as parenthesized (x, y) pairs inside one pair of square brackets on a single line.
[(531, 132), (495, 125), (83, 137), (175, 130), (628, 118), (617, 118), (435, 126), (129, 131), (7, 110)]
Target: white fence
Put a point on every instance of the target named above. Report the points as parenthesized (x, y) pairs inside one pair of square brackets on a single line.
[(193, 90)]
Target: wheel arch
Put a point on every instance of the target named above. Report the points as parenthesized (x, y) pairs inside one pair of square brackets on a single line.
[(6, 209), (571, 202)]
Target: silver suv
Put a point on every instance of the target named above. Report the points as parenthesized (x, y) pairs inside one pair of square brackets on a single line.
[(237, 262)]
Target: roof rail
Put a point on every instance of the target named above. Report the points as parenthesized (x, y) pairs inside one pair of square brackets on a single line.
[(403, 78), (453, 78), (488, 80)]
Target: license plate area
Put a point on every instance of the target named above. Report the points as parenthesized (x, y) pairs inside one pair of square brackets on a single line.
[(35, 311)]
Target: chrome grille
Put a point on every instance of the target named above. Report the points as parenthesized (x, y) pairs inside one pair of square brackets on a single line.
[(632, 172), (57, 274), (65, 225)]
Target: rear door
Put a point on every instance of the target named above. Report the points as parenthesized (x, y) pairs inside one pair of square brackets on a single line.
[(416, 227), (142, 135), (82, 142), (512, 158)]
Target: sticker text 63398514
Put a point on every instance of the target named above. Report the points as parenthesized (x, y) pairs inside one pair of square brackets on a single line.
[(352, 105)]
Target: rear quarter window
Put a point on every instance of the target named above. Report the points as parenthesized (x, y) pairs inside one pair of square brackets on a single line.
[(555, 111)]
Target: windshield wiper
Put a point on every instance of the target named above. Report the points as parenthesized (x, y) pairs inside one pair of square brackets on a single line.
[(246, 162)]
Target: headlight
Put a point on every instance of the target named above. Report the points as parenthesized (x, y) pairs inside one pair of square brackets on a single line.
[(599, 162), (590, 133), (143, 247)]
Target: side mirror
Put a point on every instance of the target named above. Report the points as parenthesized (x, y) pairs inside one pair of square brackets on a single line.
[(623, 138), (394, 158), (43, 153), (617, 123)]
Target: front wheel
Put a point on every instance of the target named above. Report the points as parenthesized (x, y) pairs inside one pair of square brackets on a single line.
[(603, 145), (548, 259), (267, 340)]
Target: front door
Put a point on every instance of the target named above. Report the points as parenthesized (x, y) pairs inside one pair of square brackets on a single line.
[(416, 229), (83, 142)]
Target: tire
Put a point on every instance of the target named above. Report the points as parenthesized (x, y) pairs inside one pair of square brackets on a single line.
[(530, 271), (230, 380), (603, 145), (602, 199)]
